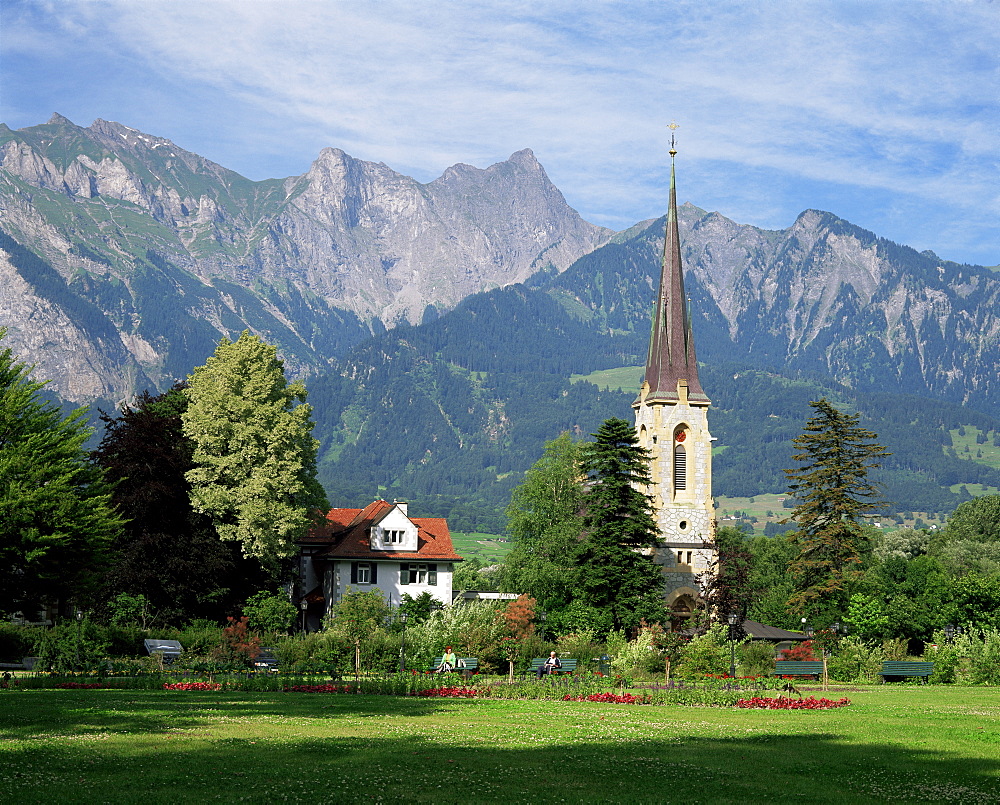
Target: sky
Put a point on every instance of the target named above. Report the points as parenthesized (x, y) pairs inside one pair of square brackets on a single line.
[(884, 112)]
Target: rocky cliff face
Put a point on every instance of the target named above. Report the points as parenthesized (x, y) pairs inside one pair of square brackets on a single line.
[(165, 251), (822, 296)]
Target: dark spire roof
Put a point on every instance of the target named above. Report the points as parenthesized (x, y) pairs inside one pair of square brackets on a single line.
[(671, 344)]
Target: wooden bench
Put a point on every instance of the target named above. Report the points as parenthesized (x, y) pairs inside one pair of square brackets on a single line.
[(266, 662), (812, 668), (568, 666), (467, 666), (906, 668)]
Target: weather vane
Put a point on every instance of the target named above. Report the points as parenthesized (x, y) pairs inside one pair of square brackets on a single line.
[(673, 127)]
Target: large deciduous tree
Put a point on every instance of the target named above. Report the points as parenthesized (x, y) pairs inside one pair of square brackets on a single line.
[(254, 454), (617, 575), (833, 493), (545, 521), (167, 552), (56, 521)]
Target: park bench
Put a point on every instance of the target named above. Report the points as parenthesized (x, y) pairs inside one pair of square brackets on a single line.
[(798, 668), (906, 668), (169, 650), (467, 666), (568, 666), (266, 662)]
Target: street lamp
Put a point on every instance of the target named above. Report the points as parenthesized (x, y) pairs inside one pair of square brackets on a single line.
[(79, 638), (949, 632), (732, 646), (402, 643), (303, 605)]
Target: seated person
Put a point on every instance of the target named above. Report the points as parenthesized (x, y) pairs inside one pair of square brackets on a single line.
[(550, 665), (448, 661)]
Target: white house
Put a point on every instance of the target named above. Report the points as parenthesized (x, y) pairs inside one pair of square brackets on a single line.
[(375, 548)]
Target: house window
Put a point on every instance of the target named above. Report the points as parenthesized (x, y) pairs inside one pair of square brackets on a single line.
[(410, 573), (364, 573), (393, 537)]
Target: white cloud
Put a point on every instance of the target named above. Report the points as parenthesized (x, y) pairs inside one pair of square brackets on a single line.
[(894, 97)]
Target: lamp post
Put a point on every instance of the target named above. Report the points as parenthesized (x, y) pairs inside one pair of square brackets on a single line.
[(402, 643), (79, 638), (949, 632), (303, 605), (732, 646)]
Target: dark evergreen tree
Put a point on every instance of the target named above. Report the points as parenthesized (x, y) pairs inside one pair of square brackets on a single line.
[(56, 521), (617, 575), (833, 492), (167, 551)]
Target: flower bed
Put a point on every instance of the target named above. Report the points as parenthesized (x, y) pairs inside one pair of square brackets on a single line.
[(781, 703), (80, 685), (454, 693), (192, 686), (328, 688), (609, 698)]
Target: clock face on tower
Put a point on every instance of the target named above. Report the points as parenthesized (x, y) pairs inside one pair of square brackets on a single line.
[(681, 436)]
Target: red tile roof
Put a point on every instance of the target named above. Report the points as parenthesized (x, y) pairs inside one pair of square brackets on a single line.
[(347, 531)]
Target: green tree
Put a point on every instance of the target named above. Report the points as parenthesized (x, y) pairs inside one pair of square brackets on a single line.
[(545, 521), (617, 574), (728, 590), (270, 612), (254, 455), (56, 521), (976, 520), (166, 552), (833, 492)]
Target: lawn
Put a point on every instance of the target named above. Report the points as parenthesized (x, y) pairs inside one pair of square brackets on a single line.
[(895, 743), (487, 548)]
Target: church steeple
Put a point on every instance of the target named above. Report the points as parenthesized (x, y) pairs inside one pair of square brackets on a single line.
[(671, 362), (671, 421)]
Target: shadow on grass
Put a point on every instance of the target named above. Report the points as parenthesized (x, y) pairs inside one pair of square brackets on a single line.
[(467, 752)]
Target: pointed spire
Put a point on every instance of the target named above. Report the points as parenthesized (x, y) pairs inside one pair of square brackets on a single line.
[(671, 358)]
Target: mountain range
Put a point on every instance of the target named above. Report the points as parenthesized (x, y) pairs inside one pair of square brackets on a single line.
[(439, 323)]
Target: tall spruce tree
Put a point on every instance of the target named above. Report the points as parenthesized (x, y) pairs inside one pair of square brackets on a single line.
[(254, 454), (617, 575), (55, 518), (834, 493)]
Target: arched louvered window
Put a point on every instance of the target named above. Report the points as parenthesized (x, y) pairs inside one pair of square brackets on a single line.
[(680, 468)]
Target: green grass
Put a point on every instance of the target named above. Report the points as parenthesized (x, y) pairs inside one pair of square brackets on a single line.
[(966, 447), (895, 743), (487, 548), (624, 378)]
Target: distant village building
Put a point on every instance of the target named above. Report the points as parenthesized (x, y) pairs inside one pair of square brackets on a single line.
[(671, 419), (379, 548)]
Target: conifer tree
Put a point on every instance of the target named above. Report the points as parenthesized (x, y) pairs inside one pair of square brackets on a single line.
[(617, 574), (55, 519), (833, 493), (254, 454)]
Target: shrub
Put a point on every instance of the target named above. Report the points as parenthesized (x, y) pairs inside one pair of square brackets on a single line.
[(705, 654), (69, 646), (756, 658), (984, 659), (270, 612), (855, 660), (17, 641)]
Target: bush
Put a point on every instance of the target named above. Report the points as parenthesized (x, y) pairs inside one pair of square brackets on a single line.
[(756, 658), (855, 660), (705, 654), (80, 646), (270, 612), (984, 659), (17, 641)]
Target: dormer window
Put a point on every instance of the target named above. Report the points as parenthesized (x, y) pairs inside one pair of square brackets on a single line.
[(392, 537)]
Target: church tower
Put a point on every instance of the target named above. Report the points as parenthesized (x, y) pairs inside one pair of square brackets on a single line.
[(671, 419)]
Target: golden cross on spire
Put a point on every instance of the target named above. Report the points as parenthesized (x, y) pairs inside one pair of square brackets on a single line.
[(673, 127)]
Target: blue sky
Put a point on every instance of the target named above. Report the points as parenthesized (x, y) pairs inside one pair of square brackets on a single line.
[(885, 113)]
